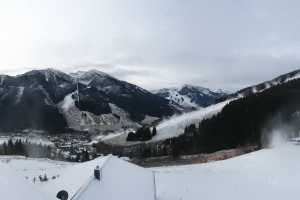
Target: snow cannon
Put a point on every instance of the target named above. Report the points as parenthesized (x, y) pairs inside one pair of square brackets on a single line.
[(62, 195), (97, 173)]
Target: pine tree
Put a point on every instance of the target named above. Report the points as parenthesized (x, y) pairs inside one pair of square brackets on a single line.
[(5, 149), (154, 131), (10, 147)]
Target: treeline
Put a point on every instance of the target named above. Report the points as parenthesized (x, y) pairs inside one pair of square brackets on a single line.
[(25, 148), (142, 134), (33, 150)]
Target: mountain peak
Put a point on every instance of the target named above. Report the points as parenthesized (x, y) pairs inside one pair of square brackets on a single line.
[(87, 77), (190, 96), (267, 84), (47, 73)]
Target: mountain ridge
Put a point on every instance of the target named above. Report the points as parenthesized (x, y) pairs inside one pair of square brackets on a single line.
[(191, 97), (35, 91)]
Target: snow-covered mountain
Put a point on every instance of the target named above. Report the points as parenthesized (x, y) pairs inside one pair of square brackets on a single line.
[(191, 97), (266, 85), (48, 100), (281, 92)]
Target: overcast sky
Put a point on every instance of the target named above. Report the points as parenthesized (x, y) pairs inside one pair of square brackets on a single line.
[(225, 44)]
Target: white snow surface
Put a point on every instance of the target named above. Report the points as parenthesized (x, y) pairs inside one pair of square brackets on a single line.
[(266, 174), (120, 180), (12, 187), (74, 178), (175, 126), (297, 76), (19, 94), (171, 127), (86, 77), (182, 100), (68, 102), (269, 84), (2, 78)]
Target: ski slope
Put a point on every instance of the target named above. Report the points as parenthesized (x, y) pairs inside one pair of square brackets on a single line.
[(267, 174), (175, 126)]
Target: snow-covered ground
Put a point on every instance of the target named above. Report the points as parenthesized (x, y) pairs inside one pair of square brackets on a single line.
[(175, 126), (266, 174), (12, 187), (171, 127), (30, 168), (111, 135), (175, 96)]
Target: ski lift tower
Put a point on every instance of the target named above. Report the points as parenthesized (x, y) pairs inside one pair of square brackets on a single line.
[(78, 104), (77, 92)]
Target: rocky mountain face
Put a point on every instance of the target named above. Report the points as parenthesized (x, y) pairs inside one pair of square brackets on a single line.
[(191, 97), (52, 100)]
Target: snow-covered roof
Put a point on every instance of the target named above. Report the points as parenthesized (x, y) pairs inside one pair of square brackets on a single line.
[(75, 177), (12, 187), (119, 180)]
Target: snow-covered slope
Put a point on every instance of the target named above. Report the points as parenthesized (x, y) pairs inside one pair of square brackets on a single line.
[(74, 178), (84, 120), (173, 95), (191, 97), (266, 85), (267, 174), (175, 126), (13, 187), (119, 179)]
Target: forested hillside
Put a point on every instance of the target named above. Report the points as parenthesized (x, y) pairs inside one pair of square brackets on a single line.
[(249, 120)]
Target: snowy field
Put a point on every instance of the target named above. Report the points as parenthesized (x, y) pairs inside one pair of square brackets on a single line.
[(30, 168), (266, 174)]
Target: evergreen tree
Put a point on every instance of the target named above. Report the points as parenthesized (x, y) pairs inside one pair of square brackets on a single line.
[(154, 131)]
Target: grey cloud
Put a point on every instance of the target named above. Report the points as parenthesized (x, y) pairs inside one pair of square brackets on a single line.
[(221, 44)]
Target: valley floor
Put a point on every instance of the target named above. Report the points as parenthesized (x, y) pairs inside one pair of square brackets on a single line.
[(265, 174)]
